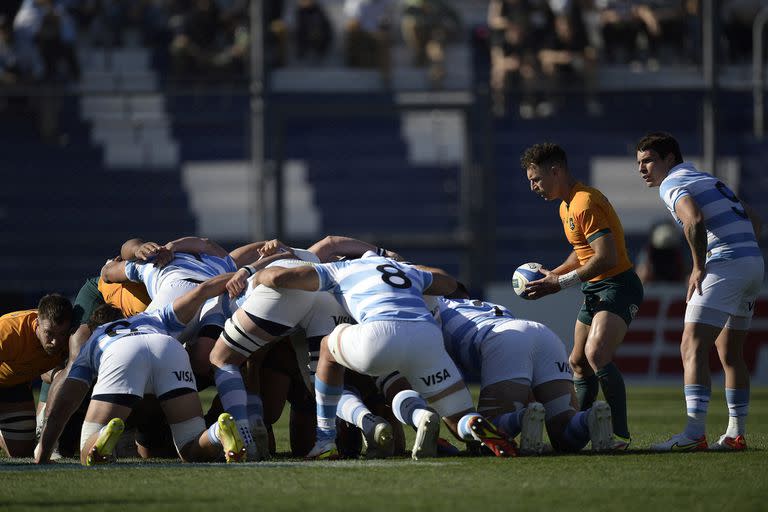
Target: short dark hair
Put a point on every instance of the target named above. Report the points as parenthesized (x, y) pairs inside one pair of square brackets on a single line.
[(662, 143), (102, 315), (544, 153), (56, 308)]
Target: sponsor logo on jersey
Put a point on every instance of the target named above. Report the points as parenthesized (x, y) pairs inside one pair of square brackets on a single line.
[(633, 309), (436, 378), (571, 224), (183, 376), (751, 305), (564, 367)]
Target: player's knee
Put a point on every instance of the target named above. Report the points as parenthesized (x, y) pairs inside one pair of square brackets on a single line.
[(578, 365), (18, 432)]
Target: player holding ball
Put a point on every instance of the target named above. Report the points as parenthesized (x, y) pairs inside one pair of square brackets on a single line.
[(600, 265)]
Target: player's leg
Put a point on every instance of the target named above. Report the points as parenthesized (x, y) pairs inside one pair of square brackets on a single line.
[(240, 339), (174, 384), (193, 441), (730, 349), (698, 337), (506, 374), (378, 435), (584, 379), (104, 424), (570, 429), (17, 421), (417, 349), (605, 336), (329, 385)]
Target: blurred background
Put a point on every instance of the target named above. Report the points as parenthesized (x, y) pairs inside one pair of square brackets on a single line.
[(400, 122)]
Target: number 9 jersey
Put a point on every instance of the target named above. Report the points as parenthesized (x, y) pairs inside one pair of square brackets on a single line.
[(377, 288), (730, 234)]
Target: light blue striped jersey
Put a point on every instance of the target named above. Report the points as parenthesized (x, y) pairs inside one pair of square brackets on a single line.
[(159, 321), (729, 231), (183, 266), (377, 288), (465, 324)]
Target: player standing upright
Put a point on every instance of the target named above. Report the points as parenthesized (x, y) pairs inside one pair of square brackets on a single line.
[(599, 262), (725, 280)]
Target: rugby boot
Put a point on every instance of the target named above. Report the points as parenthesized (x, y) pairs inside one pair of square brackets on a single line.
[(379, 441), (427, 433), (231, 440), (681, 443), (532, 429), (600, 426), (725, 443), (102, 450), (487, 433)]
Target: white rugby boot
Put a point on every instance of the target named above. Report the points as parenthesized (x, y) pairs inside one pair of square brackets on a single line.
[(427, 433), (379, 441), (532, 429), (600, 427)]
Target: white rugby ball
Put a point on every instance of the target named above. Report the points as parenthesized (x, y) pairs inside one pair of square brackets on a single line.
[(524, 274)]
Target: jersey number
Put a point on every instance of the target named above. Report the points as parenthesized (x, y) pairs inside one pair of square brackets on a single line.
[(393, 276), (111, 329), (723, 189)]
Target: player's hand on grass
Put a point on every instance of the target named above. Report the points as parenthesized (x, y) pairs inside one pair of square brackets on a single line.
[(544, 286)]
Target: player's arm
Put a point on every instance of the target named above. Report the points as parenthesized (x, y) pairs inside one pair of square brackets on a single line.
[(248, 253), (304, 277), (196, 245), (187, 306), (239, 280), (59, 409), (113, 271), (333, 246), (570, 263), (442, 283), (695, 232)]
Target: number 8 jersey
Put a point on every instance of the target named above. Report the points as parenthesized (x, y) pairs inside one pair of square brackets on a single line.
[(730, 234), (376, 288)]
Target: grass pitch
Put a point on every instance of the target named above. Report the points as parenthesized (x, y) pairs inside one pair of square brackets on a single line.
[(636, 480)]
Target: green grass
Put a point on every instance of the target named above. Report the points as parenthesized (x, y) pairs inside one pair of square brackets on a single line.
[(636, 480)]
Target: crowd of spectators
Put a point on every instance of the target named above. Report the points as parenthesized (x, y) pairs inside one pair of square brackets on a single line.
[(537, 46)]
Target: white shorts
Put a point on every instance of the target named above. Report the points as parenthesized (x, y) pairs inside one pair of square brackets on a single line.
[(324, 315), (285, 307), (729, 286), (524, 351), (415, 349), (169, 292), (144, 364)]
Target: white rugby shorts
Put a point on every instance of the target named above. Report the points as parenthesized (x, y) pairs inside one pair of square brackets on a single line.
[(415, 349), (144, 364), (730, 286), (523, 350)]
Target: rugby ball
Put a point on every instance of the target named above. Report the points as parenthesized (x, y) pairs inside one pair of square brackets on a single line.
[(524, 274)]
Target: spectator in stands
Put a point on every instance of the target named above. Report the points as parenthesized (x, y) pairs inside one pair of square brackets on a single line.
[(663, 23), (367, 34), (194, 44), (661, 260), (427, 25), (619, 28), (9, 63), (567, 60), (231, 61), (314, 32), (45, 35), (514, 68)]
